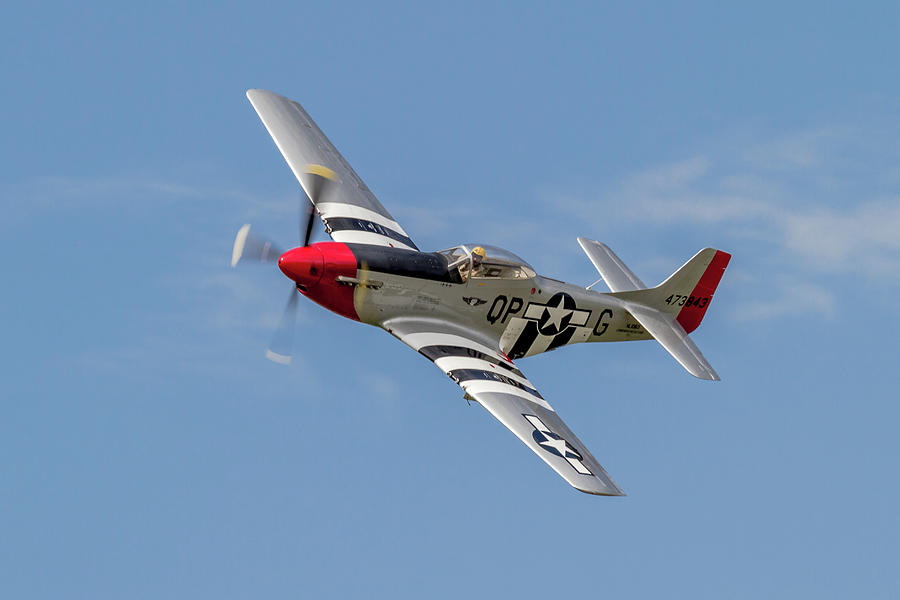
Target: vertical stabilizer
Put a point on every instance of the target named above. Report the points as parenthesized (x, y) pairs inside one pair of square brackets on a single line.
[(688, 292)]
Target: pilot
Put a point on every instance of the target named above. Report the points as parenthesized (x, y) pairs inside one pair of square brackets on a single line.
[(477, 260)]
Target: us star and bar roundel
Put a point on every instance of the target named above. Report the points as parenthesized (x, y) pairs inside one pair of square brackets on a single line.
[(544, 327)]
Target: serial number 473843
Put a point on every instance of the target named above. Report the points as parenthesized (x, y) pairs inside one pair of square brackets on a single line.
[(679, 300)]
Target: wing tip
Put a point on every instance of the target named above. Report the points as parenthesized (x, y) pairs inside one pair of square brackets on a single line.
[(254, 94), (611, 491), (600, 485), (706, 373)]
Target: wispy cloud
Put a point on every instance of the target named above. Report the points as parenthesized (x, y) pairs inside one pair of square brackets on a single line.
[(798, 150), (863, 239), (128, 193), (791, 298), (181, 243), (810, 201), (683, 191)]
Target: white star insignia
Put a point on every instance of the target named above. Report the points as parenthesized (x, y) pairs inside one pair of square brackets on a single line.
[(558, 445), (556, 317)]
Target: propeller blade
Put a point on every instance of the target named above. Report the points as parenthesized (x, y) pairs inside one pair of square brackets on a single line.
[(310, 215), (318, 181), (251, 247), (281, 348)]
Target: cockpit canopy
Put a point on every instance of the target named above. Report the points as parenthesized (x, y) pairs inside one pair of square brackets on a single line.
[(497, 263)]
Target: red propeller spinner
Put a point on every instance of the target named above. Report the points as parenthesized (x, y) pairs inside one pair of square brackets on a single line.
[(303, 265)]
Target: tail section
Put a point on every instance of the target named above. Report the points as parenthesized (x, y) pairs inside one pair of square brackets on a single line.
[(672, 309), (687, 293)]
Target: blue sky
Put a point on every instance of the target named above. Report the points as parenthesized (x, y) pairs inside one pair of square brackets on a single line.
[(147, 449)]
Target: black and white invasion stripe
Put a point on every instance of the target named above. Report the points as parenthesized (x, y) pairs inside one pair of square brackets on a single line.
[(474, 366), (354, 224)]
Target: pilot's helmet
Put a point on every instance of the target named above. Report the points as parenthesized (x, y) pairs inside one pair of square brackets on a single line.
[(477, 254)]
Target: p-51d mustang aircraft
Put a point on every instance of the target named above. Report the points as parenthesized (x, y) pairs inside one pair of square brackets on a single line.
[(472, 309)]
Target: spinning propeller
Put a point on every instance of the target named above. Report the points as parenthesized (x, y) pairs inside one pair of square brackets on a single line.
[(317, 182)]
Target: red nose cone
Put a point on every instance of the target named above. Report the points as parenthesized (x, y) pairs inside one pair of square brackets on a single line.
[(304, 265)]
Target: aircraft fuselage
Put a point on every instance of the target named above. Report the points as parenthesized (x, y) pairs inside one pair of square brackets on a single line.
[(525, 316)]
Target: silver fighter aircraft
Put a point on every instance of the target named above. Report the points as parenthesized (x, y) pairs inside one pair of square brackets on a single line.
[(473, 309)]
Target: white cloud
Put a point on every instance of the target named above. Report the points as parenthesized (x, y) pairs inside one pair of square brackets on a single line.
[(756, 193), (790, 298), (668, 177), (183, 246), (676, 193), (803, 205), (132, 193), (865, 239), (797, 150), (695, 208)]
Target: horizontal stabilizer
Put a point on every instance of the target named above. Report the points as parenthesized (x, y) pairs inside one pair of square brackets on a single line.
[(615, 274), (672, 336)]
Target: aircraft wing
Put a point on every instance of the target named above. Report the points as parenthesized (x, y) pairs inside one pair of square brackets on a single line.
[(350, 211), (492, 380)]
